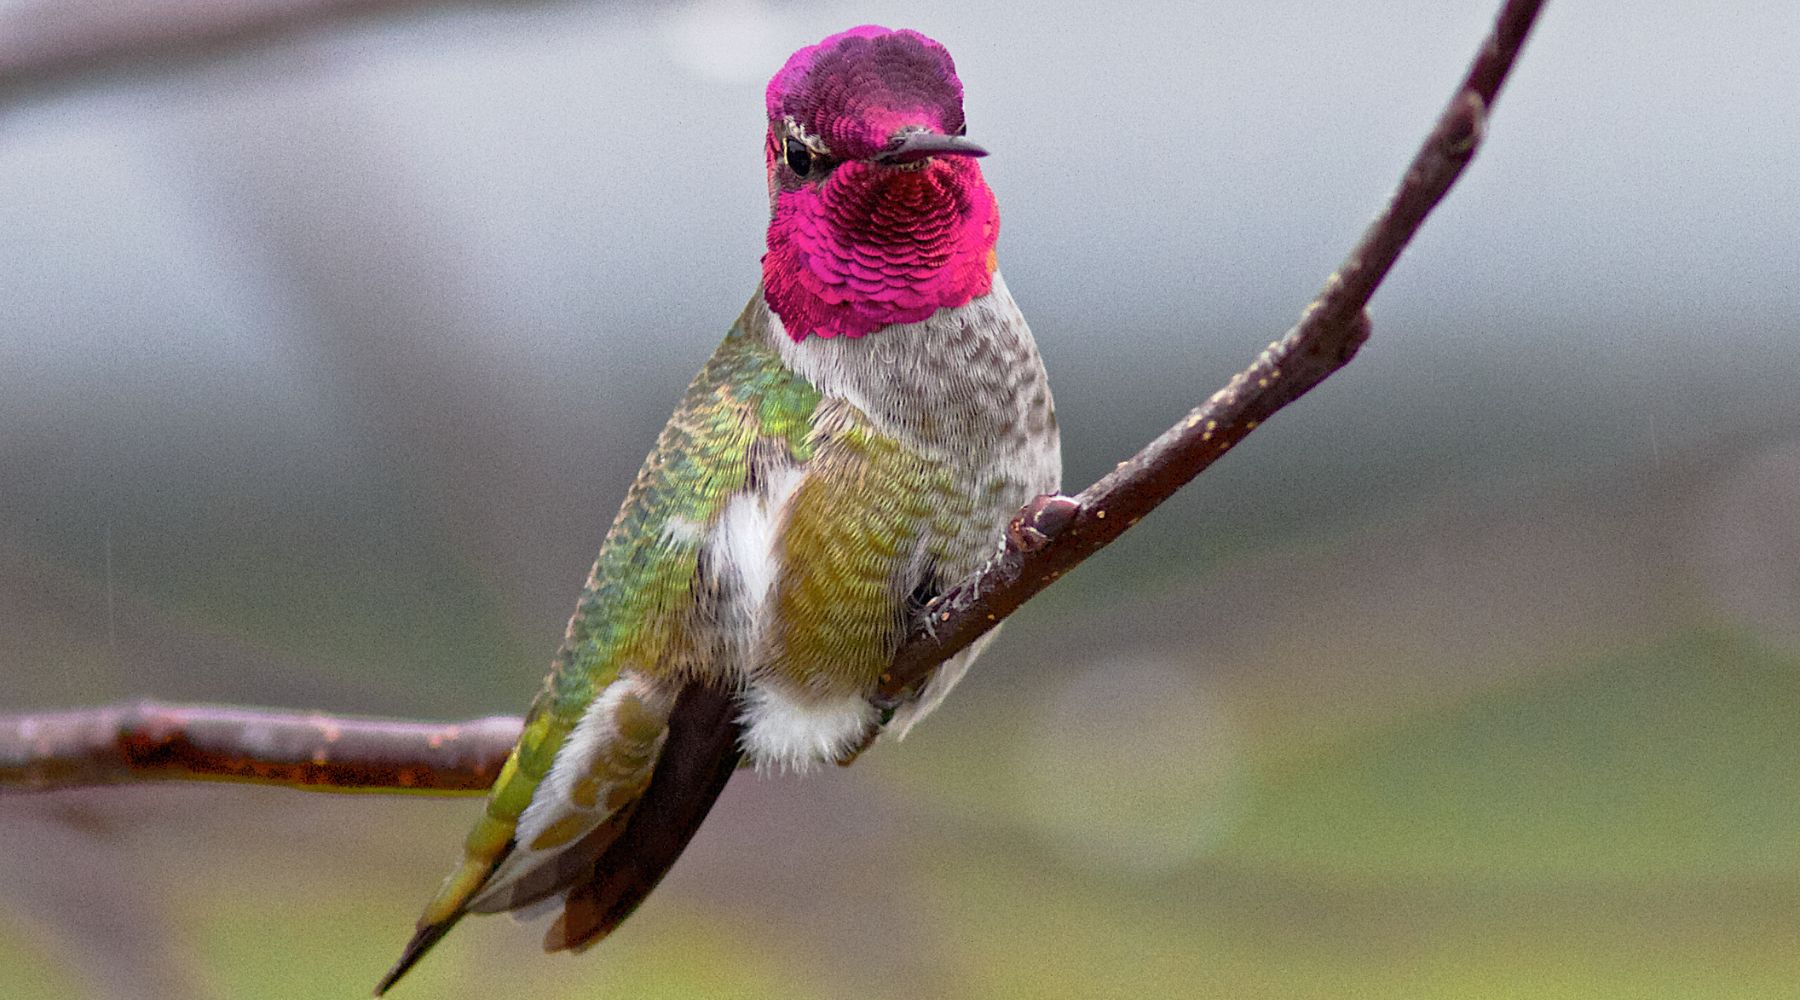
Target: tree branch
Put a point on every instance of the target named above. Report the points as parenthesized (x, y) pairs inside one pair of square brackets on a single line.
[(1048, 538), (1052, 535), (151, 741), (47, 39)]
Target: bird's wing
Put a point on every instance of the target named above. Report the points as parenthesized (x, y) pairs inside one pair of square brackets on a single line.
[(697, 758), (646, 632)]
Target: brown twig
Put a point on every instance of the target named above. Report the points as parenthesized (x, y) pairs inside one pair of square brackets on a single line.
[(1048, 538), (1054, 534), (150, 741)]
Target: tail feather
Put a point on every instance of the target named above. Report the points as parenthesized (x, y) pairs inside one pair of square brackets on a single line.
[(604, 875), (697, 759), (552, 877), (421, 942)]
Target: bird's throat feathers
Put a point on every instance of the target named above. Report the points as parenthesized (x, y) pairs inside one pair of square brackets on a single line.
[(865, 243), (875, 245)]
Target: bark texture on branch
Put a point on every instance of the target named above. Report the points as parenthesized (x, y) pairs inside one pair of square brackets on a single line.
[(1047, 539), (151, 741)]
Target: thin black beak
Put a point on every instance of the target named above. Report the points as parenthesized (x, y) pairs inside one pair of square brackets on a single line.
[(915, 146)]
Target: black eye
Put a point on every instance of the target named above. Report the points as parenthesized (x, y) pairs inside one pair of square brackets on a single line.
[(799, 158)]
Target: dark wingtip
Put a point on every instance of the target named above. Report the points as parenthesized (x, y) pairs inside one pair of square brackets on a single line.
[(421, 942), (698, 758)]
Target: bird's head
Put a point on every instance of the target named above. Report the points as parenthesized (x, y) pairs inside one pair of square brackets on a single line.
[(878, 210)]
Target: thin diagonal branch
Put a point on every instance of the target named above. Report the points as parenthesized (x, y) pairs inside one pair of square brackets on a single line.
[(1047, 539), (1053, 535)]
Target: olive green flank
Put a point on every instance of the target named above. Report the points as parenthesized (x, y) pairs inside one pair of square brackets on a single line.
[(862, 508)]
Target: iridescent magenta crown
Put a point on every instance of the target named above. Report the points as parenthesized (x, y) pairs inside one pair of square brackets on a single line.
[(857, 88)]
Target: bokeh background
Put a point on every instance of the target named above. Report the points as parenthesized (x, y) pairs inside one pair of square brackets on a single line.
[(325, 358)]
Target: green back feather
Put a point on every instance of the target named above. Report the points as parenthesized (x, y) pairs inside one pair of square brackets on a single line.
[(635, 610)]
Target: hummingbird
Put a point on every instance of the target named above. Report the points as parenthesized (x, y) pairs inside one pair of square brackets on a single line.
[(856, 445)]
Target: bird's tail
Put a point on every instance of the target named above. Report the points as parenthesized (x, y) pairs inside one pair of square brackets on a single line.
[(608, 870), (422, 940), (697, 759)]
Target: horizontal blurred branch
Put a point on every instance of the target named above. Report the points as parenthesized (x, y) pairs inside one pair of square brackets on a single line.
[(151, 741), (1047, 538), (40, 39)]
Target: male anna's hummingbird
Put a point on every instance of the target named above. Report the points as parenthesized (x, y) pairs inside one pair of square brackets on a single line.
[(856, 444)]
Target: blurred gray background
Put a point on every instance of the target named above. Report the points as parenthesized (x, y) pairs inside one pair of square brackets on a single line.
[(326, 356)]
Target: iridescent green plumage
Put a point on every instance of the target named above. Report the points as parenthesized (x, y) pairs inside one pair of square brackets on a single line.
[(642, 585), (638, 610)]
